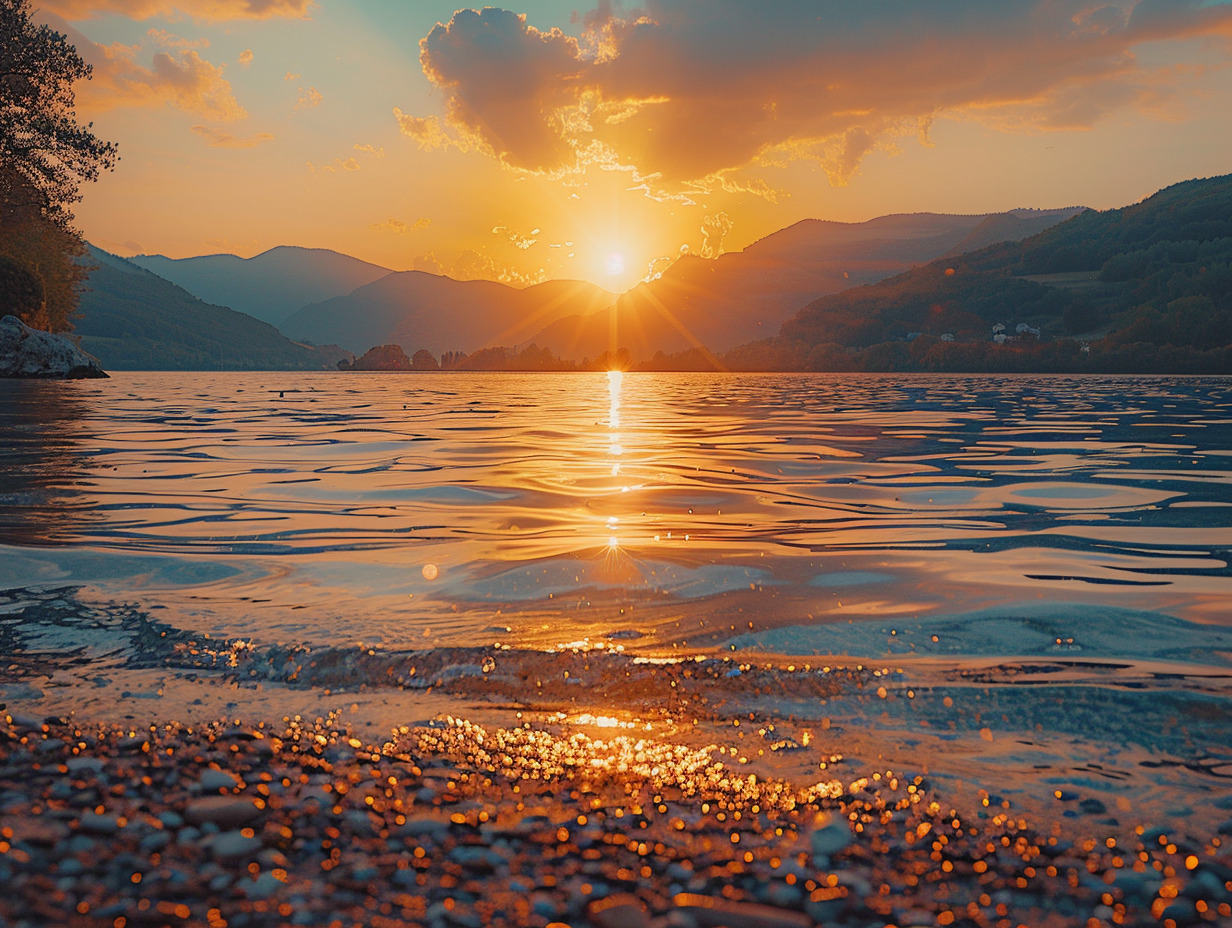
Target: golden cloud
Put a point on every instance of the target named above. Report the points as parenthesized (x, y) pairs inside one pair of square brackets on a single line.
[(209, 10), (184, 80), (691, 91), (177, 75), (219, 138), (308, 98), (333, 167), (398, 227)]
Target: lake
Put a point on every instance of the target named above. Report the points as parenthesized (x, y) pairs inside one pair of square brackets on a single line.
[(669, 510)]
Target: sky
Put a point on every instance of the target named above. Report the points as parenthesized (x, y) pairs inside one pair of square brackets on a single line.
[(599, 141)]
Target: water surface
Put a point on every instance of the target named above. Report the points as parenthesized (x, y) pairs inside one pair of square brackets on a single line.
[(663, 511)]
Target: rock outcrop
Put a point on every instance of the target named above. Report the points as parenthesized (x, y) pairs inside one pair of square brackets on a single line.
[(27, 352)]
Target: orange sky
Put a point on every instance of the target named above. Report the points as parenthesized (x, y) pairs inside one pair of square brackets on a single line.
[(596, 141)]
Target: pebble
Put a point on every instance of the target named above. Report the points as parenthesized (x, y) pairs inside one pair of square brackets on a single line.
[(213, 780), (222, 811), (230, 845), (717, 912), (80, 765), (829, 836), (621, 910), (97, 824)]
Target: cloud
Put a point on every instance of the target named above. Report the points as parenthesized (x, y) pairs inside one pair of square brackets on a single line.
[(219, 138), (714, 230), (123, 249), (164, 39), (398, 227), (471, 265), (291, 76), (698, 92), (428, 263), (246, 57), (430, 134), (206, 10), (333, 167), (308, 98), (177, 75), (517, 239), (371, 150)]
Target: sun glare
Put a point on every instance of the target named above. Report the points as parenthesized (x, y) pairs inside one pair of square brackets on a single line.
[(614, 264)]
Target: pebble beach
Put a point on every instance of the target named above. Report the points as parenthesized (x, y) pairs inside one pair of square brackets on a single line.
[(666, 812)]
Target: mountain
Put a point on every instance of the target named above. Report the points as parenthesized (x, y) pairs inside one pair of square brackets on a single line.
[(418, 310), (270, 286), (747, 295), (1145, 287), (132, 319)]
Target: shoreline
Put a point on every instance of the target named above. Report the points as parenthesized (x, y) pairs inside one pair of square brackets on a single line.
[(150, 775)]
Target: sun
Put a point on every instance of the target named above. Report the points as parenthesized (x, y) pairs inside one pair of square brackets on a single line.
[(614, 264)]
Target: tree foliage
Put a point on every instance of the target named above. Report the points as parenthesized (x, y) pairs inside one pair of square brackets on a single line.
[(45, 156)]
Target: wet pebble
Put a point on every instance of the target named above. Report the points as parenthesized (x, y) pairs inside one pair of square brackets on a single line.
[(231, 845), (214, 780), (717, 912), (99, 824), (622, 910), (830, 835), (221, 811)]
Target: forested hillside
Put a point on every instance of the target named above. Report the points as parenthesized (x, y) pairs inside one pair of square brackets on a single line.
[(1146, 287)]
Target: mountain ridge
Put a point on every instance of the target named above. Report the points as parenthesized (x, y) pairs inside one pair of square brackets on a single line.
[(269, 286), (417, 310), (133, 319), (1144, 287)]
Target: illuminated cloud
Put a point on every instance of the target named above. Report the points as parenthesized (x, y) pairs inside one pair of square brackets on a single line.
[(333, 167), (219, 138), (206, 10), (176, 75), (507, 82), (398, 227), (371, 150), (246, 57), (517, 239), (714, 230), (471, 265), (124, 249), (428, 263), (429, 134), (308, 98), (164, 39), (690, 92)]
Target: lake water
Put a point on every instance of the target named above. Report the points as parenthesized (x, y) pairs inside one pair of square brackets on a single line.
[(663, 511), (1020, 584)]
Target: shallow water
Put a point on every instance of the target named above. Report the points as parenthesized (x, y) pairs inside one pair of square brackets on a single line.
[(662, 511)]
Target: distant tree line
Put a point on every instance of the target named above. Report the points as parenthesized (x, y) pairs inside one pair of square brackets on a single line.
[(530, 358)]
